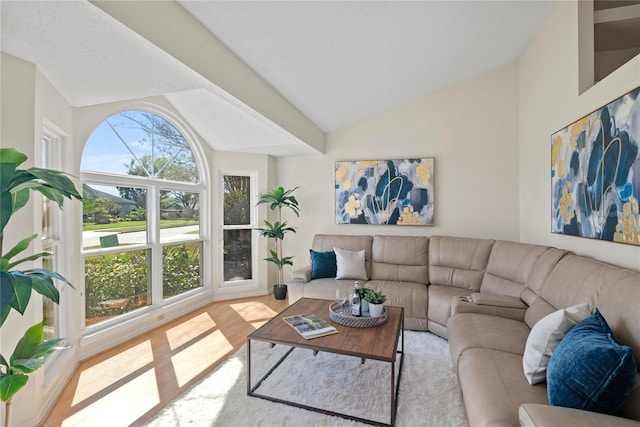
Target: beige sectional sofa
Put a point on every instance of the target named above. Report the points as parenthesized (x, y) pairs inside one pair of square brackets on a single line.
[(484, 296)]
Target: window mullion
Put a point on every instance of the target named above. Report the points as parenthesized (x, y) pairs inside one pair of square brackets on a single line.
[(153, 217)]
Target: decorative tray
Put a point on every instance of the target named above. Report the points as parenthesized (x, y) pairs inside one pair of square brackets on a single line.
[(342, 314)]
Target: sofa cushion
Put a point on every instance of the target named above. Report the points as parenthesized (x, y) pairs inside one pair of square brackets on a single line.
[(545, 337), (509, 267), (576, 279), (350, 264), (323, 264), (494, 388), (590, 370), (440, 300), (401, 258), (458, 261), (470, 330), (466, 305), (536, 415), (414, 297)]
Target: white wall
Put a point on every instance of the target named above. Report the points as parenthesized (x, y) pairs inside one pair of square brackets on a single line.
[(549, 101), (471, 130), (28, 99)]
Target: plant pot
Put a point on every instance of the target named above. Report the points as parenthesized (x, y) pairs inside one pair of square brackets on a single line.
[(280, 292), (375, 310)]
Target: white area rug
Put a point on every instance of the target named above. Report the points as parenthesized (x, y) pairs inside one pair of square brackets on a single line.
[(429, 393)]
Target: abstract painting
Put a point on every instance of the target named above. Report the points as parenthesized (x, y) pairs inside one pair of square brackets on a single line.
[(397, 192), (595, 174)]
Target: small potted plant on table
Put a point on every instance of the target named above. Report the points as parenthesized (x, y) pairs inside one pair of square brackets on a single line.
[(376, 302)]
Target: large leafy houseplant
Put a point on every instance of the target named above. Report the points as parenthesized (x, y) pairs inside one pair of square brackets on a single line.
[(277, 199), (16, 286)]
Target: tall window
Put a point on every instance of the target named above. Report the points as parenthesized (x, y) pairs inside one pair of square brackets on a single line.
[(142, 200), (50, 146), (237, 227)]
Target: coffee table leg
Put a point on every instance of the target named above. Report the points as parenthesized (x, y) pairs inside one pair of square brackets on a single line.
[(393, 394), (248, 367)]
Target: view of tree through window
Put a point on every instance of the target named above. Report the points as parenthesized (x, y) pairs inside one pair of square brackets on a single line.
[(237, 228), (140, 179)]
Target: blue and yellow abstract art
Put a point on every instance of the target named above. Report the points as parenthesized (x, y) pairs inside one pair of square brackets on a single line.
[(397, 192), (595, 174)]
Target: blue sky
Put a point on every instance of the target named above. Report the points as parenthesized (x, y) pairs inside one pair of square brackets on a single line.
[(104, 152)]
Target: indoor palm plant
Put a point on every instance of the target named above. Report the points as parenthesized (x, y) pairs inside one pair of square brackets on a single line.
[(277, 199), (16, 286)]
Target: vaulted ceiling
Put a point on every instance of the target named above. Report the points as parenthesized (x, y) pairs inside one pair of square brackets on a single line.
[(337, 62)]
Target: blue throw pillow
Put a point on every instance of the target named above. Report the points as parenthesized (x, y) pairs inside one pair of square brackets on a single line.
[(323, 264), (590, 370)]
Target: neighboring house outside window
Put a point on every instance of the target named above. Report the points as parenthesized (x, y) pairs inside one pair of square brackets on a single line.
[(143, 197)]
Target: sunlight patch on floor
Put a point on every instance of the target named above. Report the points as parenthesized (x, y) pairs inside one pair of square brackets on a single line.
[(253, 311), (122, 406), (256, 325), (186, 331), (96, 378), (194, 359)]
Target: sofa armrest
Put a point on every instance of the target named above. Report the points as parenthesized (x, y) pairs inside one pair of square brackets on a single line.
[(302, 274), (495, 300), (492, 304), (536, 415)]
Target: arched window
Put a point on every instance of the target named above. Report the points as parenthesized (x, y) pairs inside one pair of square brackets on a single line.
[(143, 195)]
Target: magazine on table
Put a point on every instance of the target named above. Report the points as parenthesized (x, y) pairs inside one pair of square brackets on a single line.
[(310, 326)]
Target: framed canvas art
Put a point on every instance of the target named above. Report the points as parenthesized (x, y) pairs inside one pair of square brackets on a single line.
[(595, 174), (397, 192)]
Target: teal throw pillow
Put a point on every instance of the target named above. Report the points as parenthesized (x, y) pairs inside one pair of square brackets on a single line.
[(323, 264), (590, 370)]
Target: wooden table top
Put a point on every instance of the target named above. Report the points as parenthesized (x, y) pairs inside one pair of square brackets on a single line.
[(379, 342)]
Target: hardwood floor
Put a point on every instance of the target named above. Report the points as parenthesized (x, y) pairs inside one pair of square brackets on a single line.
[(128, 384)]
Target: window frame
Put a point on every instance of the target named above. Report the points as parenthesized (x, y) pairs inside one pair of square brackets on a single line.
[(51, 157), (153, 186), (253, 182)]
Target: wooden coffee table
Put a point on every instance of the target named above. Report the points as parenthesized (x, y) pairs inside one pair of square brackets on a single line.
[(377, 343)]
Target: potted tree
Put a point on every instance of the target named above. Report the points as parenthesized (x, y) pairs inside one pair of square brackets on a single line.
[(277, 199), (16, 286)]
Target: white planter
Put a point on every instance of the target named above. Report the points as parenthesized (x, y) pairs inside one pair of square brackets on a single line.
[(375, 310)]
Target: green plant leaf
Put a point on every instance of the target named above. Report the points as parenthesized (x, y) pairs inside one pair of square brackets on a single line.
[(11, 384), (27, 366), (4, 313), (20, 198), (6, 208), (57, 185), (29, 258), (3, 361), (43, 284), (4, 264), (15, 292), (46, 347), (7, 170), (20, 246), (11, 155), (28, 343), (48, 273)]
